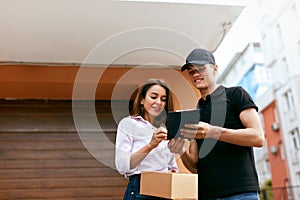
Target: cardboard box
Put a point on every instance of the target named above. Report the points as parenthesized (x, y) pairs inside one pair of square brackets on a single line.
[(169, 185)]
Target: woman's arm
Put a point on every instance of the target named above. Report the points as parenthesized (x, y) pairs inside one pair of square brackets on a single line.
[(137, 157)]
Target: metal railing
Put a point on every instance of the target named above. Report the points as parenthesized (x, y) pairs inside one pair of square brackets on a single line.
[(280, 193)]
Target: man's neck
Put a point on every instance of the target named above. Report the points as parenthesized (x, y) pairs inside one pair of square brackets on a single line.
[(208, 91)]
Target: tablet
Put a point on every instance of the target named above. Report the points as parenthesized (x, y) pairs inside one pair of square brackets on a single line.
[(177, 119)]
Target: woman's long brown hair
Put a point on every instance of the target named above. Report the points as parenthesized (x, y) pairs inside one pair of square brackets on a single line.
[(138, 110)]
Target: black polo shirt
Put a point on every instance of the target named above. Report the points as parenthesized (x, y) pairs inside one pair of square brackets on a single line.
[(225, 169)]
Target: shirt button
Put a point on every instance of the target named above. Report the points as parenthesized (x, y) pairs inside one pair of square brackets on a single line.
[(132, 193)]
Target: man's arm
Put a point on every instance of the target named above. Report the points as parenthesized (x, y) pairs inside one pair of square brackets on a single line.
[(251, 135), (188, 156)]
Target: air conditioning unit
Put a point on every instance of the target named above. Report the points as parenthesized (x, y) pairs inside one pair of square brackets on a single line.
[(275, 126), (273, 150)]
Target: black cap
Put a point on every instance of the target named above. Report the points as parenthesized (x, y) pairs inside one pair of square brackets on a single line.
[(199, 57)]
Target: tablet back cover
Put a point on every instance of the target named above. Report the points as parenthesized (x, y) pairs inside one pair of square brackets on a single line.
[(177, 119)]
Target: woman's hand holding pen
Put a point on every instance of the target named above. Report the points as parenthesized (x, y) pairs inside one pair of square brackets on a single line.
[(159, 135)]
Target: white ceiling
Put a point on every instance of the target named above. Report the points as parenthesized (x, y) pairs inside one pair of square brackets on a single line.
[(110, 32)]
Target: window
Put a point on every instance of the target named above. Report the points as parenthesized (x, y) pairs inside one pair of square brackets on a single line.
[(276, 114), (278, 38), (298, 182), (289, 101), (295, 138), (267, 48), (294, 19), (289, 189), (294, 142), (282, 151), (299, 48), (284, 69)]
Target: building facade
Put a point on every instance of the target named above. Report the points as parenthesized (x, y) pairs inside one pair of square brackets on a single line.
[(246, 69), (280, 41), (273, 81)]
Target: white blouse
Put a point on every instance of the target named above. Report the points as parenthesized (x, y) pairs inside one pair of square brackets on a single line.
[(132, 134)]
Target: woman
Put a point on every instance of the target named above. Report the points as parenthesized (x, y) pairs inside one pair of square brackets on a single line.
[(141, 143)]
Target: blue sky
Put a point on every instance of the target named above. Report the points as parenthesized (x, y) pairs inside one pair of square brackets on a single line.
[(243, 31)]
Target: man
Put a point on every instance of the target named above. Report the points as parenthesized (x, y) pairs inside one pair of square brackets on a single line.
[(221, 144)]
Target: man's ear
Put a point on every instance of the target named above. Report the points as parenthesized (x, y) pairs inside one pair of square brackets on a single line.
[(216, 69)]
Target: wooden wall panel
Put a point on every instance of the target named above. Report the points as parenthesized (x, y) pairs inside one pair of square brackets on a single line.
[(42, 156)]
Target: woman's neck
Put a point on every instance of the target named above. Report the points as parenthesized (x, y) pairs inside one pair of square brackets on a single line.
[(152, 121)]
